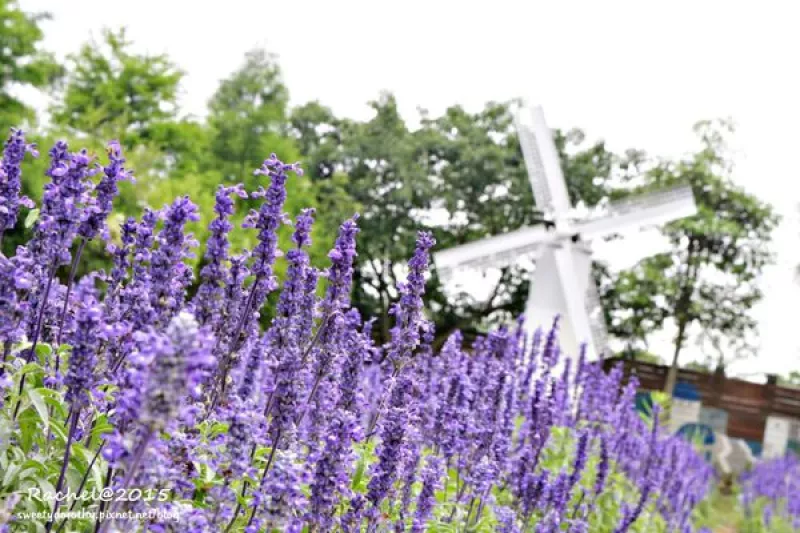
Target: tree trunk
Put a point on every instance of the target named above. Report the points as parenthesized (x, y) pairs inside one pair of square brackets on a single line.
[(682, 316), (672, 375)]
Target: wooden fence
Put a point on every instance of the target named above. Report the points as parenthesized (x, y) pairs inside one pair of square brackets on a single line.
[(747, 404)]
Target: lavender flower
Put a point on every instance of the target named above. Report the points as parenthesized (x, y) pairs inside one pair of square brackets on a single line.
[(169, 275), (406, 334), (10, 183), (81, 374), (507, 520), (581, 457), (99, 207), (283, 335), (430, 481), (328, 349), (182, 357), (62, 206), (267, 220), (137, 308), (602, 469), (392, 449), (215, 274), (331, 478), (14, 281)]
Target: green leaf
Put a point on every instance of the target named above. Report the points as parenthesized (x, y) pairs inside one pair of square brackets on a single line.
[(39, 404), (43, 352), (31, 368), (54, 399), (10, 474), (31, 218)]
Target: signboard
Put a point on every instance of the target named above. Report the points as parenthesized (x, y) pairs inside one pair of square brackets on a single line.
[(776, 437), (683, 412), (794, 431), (716, 419)]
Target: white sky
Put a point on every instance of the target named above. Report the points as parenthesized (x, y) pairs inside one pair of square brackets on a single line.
[(636, 74)]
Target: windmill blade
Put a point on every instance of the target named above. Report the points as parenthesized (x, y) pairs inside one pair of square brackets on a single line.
[(651, 209), (495, 252), (576, 262), (559, 288), (542, 163), (597, 319)]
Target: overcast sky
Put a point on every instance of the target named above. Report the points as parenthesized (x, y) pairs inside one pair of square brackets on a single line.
[(632, 73)]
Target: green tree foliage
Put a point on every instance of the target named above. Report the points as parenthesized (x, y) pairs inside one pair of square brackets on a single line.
[(699, 366), (640, 355), (460, 174), (22, 62), (247, 116), (792, 379), (247, 121), (708, 278), (376, 167), (111, 92)]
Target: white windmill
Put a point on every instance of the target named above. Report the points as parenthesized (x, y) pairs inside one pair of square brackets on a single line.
[(562, 282)]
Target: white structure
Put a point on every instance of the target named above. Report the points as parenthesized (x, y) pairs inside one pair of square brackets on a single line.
[(776, 437), (732, 456), (562, 282), (684, 411)]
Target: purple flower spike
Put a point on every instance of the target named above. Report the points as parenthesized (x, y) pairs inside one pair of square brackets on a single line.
[(267, 220), (169, 275), (10, 182), (80, 376), (99, 206), (215, 274), (431, 476), (406, 334)]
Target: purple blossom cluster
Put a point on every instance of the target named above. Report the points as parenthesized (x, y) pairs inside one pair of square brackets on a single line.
[(308, 425), (770, 492), (10, 180)]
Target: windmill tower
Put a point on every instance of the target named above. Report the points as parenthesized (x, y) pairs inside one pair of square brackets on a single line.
[(562, 282)]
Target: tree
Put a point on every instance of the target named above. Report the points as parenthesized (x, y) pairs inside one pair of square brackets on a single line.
[(700, 366), (22, 62), (461, 175), (387, 179), (708, 278), (111, 92), (247, 115), (248, 120), (792, 379), (641, 355)]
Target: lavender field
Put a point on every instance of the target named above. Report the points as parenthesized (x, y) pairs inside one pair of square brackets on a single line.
[(255, 403)]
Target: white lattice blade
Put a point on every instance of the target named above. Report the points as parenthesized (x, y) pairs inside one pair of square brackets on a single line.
[(493, 251), (542, 163), (559, 288), (597, 320), (622, 254), (640, 212), (575, 266)]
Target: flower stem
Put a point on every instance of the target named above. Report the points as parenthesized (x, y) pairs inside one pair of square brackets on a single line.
[(35, 338), (72, 272), (83, 484), (73, 424), (98, 521), (129, 475), (6, 352), (266, 470)]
